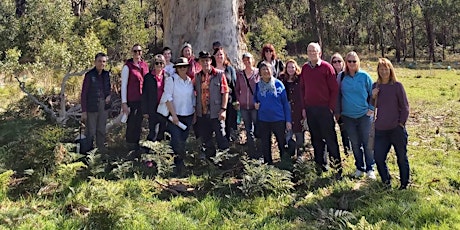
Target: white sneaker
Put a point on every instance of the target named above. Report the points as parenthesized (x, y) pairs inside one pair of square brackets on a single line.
[(371, 175), (358, 173)]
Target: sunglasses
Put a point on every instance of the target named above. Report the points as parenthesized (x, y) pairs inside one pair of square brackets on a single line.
[(337, 61), (352, 61), (137, 51), (182, 67), (159, 63), (268, 51)]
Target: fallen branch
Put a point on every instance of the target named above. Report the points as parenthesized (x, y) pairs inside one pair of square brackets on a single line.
[(22, 86), (63, 115)]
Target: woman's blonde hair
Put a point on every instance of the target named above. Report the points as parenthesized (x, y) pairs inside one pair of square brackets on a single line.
[(383, 62), (351, 54)]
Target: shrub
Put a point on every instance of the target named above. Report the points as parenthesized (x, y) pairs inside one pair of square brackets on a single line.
[(262, 179), (4, 183), (35, 154)]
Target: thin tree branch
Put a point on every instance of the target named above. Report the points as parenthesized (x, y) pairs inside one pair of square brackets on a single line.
[(22, 86)]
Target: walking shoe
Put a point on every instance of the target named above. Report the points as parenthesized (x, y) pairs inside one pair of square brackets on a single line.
[(358, 173), (403, 187), (371, 175)]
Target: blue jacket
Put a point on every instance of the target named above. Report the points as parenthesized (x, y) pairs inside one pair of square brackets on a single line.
[(273, 107), (356, 93)]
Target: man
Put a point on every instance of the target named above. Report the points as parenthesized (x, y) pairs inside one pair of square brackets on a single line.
[(169, 66), (212, 96), (319, 95), (132, 78), (95, 100)]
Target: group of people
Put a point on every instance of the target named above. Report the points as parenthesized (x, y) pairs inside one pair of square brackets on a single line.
[(205, 93)]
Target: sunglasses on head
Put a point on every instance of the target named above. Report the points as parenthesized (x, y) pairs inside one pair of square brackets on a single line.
[(352, 61), (137, 51), (337, 61)]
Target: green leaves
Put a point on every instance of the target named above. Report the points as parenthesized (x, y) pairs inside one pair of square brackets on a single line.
[(262, 179)]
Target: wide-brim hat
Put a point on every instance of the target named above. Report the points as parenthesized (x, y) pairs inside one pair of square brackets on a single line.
[(204, 54), (181, 62)]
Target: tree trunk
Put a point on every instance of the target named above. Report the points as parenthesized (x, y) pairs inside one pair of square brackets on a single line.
[(20, 7), (429, 35), (314, 21), (412, 28), (202, 22), (398, 37)]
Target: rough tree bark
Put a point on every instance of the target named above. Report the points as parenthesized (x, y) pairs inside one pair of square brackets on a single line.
[(398, 37), (314, 18), (201, 22)]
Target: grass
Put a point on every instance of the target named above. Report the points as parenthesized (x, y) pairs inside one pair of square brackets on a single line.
[(137, 202)]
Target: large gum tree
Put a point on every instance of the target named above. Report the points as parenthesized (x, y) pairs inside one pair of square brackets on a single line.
[(201, 22)]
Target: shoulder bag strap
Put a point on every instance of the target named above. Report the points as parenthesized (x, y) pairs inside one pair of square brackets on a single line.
[(247, 82)]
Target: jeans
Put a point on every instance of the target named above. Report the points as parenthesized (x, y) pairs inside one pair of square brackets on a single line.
[(358, 132), (266, 129), (249, 118), (383, 141), (206, 127), (179, 136), (322, 130)]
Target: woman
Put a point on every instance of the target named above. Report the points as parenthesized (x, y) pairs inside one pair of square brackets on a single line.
[(152, 92), (339, 66), (180, 100), (274, 112), (132, 80), (392, 109), (357, 112), (194, 67), (246, 82), (222, 62), (268, 56), (290, 79)]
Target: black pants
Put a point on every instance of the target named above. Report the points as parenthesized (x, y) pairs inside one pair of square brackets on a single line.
[(206, 127), (322, 127), (230, 121), (134, 123), (344, 134), (265, 130)]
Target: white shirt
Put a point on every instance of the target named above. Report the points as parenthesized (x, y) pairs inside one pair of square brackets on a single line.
[(181, 94), (169, 68), (124, 83)]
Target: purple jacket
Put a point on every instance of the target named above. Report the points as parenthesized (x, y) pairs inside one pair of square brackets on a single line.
[(242, 92)]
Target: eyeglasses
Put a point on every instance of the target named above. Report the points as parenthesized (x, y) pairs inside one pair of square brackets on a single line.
[(159, 63), (337, 61), (137, 51), (352, 61)]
